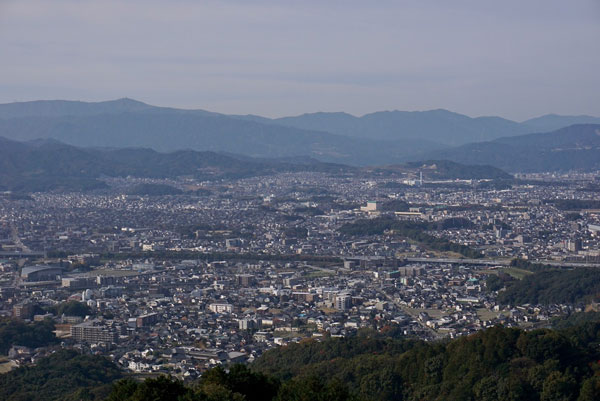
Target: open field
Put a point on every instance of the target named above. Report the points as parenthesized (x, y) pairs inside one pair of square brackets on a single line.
[(512, 271), (434, 313), (516, 272), (7, 366), (486, 314)]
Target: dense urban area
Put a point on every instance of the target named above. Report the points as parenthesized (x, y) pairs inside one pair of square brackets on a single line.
[(299, 201), (179, 276)]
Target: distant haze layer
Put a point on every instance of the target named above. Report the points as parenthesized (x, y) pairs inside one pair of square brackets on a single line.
[(514, 58)]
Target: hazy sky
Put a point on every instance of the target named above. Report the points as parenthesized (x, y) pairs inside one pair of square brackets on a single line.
[(514, 58)]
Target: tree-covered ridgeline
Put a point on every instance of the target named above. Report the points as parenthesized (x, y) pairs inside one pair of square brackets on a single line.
[(494, 364), (65, 375), (555, 286)]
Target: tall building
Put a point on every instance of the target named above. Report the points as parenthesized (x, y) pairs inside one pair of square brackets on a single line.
[(574, 245), (146, 320), (245, 280), (23, 310), (220, 308), (249, 324), (343, 301), (94, 331)]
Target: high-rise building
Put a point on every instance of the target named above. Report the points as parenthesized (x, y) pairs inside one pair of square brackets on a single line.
[(245, 280), (574, 245), (23, 310), (94, 331), (220, 307), (343, 301), (146, 320)]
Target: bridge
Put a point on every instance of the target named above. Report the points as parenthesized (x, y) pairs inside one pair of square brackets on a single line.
[(13, 254)]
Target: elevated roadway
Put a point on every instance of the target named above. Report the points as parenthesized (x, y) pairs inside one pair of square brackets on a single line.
[(498, 262)]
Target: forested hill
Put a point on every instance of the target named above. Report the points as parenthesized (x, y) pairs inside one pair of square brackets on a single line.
[(63, 376), (445, 169), (51, 165), (546, 287), (494, 364), (576, 147)]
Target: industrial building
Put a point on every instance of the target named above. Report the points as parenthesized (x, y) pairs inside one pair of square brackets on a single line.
[(41, 273)]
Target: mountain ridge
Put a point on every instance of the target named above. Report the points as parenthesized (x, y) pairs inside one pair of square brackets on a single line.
[(170, 130), (552, 122), (380, 138), (36, 167), (51, 165), (576, 147), (388, 125)]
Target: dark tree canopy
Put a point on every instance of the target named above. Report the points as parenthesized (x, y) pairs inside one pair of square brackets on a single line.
[(33, 335)]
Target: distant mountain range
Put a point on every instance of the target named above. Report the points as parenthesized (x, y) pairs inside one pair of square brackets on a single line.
[(576, 147), (552, 122), (381, 138), (437, 126), (62, 108), (128, 123)]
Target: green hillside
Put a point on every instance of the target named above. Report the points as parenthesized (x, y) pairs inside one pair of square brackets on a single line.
[(494, 364), (53, 166)]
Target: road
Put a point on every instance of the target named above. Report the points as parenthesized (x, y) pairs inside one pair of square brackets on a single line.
[(391, 299), (17, 240), (499, 262)]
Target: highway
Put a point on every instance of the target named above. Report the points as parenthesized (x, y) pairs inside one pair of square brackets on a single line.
[(498, 262)]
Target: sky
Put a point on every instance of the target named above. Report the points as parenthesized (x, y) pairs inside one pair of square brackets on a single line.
[(513, 58)]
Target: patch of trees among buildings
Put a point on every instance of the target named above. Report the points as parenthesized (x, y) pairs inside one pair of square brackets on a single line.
[(33, 335), (574, 204), (413, 230), (71, 308)]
